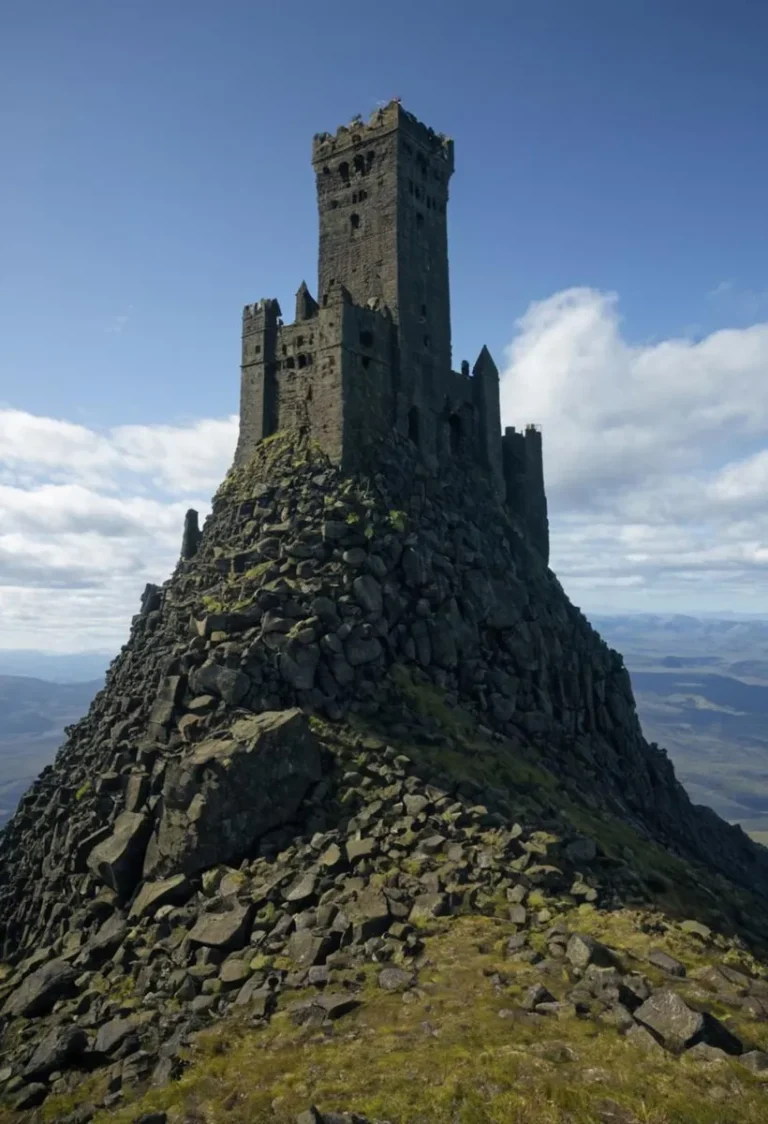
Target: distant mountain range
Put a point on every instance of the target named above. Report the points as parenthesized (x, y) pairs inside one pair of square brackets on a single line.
[(33, 714), (701, 685)]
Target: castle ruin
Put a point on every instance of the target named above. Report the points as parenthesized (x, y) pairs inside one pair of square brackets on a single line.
[(373, 353)]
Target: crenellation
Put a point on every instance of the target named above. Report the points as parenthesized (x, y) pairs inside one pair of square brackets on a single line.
[(373, 352)]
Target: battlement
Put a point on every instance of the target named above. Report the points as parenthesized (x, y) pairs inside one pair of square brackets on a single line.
[(390, 118), (372, 354)]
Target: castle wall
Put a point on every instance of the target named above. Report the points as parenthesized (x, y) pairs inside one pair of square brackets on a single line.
[(374, 352), (524, 484)]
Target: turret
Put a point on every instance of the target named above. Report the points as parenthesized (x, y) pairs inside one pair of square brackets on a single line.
[(485, 392)]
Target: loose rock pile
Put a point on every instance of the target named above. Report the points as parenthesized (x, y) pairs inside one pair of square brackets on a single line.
[(216, 835)]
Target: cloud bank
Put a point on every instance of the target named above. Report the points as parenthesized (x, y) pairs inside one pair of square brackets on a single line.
[(656, 456), (656, 464)]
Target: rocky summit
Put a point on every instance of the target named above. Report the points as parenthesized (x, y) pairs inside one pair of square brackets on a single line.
[(363, 827)]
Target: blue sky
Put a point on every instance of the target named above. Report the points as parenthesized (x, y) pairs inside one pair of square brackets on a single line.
[(156, 177)]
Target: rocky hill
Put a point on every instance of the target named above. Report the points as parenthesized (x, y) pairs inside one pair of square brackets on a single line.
[(363, 827)]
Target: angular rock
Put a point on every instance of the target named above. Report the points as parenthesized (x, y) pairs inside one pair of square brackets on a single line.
[(112, 1035), (667, 963), (226, 793), (227, 929), (169, 891), (223, 682), (583, 950), (395, 979), (668, 1016), (117, 861), (37, 994), (755, 1060), (60, 1047)]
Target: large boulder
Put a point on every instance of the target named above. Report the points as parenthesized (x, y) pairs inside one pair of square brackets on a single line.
[(670, 1019), (62, 1046), (227, 792), (37, 994), (118, 859)]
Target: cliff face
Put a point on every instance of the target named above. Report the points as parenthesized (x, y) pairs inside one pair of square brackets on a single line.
[(341, 660)]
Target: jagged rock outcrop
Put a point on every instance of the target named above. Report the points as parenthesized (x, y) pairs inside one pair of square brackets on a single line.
[(271, 772)]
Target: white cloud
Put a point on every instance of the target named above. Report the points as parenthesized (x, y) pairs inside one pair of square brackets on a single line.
[(87, 518), (656, 455)]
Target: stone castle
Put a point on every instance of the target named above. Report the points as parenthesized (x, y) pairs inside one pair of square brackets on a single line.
[(373, 354)]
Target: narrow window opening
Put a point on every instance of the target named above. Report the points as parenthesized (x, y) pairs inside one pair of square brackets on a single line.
[(366, 361), (423, 310), (413, 425), (454, 427), (354, 221), (344, 172), (334, 204), (366, 339), (302, 360), (309, 393), (290, 363), (359, 163), (419, 220), (369, 160), (257, 349), (427, 341)]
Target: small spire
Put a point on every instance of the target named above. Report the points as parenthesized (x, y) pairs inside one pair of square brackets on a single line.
[(306, 305), (484, 365)]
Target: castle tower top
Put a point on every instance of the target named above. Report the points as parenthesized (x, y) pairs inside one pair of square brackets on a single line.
[(382, 194), (386, 119)]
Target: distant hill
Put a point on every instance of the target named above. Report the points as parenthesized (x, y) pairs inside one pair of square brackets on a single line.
[(33, 714), (701, 687), (56, 667)]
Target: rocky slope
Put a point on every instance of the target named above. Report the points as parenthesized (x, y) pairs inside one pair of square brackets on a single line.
[(362, 719)]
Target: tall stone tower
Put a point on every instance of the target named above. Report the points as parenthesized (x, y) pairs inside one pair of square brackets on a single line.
[(382, 192), (372, 354)]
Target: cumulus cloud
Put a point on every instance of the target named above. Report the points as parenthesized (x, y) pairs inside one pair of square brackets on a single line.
[(87, 518), (656, 455), (656, 463)]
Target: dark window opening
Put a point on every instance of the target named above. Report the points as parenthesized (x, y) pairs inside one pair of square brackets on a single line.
[(369, 160), (361, 195), (413, 425), (427, 341), (454, 428), (354, 220), (359, 163), (326, 171), (299, 341), (285, 350), (334, 204), (366, 339), (325, 300), (309, 393), (419, 220), (302, 360), (366, 361), (423, 310), (257, 349), (344, 172), (290, 363)]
